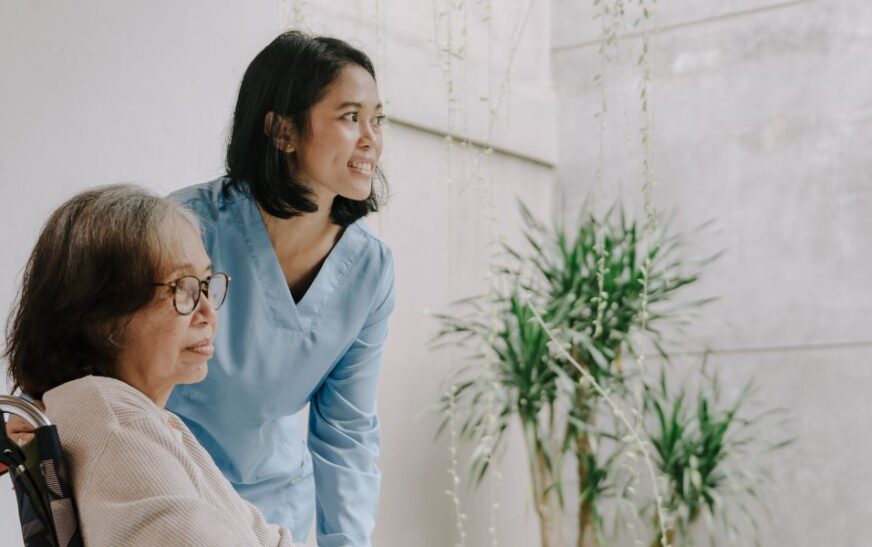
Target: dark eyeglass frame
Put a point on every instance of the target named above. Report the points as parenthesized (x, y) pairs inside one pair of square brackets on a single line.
[(204, 289)]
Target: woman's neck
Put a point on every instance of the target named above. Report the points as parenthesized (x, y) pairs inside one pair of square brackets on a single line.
[(296, 236), (302, 243), (158, 392)]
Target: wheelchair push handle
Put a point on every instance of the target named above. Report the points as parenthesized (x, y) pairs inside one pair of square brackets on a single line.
[(25, 410)]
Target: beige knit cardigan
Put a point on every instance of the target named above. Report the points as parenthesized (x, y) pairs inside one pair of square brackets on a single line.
[(140, 478)]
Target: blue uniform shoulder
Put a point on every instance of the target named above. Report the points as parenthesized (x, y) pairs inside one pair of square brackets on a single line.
[(378, 261), (205, 199), (375, 247)]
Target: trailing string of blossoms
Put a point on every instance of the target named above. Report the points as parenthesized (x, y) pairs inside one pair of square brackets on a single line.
[(612, 15), (294, 13), (646, 64), (646, 20), (451, 46), (446, 52), (485, 185)]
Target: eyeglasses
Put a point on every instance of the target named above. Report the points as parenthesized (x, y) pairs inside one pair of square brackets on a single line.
[(187, 290)]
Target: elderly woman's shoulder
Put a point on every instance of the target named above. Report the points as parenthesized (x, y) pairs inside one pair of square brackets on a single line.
[(95, 401)]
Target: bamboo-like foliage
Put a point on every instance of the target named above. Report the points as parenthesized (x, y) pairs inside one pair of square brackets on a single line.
[(520, 383), (606, 293), (594, 284), (592, 287), (709, 451)]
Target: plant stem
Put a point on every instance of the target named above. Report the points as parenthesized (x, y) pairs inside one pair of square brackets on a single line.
[(585, 503), (582, 450), (539, 477), (670, 536), (671, 532), (619, 414)]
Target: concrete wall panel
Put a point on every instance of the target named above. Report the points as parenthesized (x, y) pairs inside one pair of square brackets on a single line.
[(575, 22), (761, 123)]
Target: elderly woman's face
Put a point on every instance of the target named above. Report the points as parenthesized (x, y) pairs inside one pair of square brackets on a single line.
[(160, 347)]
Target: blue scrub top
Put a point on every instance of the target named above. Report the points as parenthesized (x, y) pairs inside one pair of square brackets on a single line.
[(272, 356)]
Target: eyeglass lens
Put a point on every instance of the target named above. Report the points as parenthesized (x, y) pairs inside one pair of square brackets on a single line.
[(217, 289), (188, 290)]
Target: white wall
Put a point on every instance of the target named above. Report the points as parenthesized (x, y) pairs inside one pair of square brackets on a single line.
[(101, 91)]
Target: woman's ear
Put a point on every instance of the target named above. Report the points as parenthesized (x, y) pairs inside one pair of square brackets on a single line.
[(281, 130)]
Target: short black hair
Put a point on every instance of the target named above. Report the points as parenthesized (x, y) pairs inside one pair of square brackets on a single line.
[(288, 77)]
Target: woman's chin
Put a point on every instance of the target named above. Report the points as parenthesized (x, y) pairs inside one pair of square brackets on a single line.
[(196, 373), (359, 190)]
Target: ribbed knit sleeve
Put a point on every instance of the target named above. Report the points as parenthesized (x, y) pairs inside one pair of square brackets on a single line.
[(141, 479)]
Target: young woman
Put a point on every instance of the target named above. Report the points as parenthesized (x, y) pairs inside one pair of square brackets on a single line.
[(118, 305), (313, 290)]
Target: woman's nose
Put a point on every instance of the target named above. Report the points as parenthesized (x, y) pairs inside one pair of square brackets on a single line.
[(205, 310), (367, 135)]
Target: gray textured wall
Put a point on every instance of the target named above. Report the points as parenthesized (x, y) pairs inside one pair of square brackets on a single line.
[(763, 123)]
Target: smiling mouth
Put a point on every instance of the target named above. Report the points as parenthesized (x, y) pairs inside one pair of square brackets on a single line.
[(363, 167)]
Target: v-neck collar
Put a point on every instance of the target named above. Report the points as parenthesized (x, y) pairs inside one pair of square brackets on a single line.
[(302, 315)]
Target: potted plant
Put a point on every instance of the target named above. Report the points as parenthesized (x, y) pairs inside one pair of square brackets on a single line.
[(713, 456), (603, 289)]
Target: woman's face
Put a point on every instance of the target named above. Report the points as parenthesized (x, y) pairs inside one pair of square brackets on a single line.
[(160, 347), (344, 140)]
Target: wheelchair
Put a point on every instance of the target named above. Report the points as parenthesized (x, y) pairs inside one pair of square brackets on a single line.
[(46, 507)]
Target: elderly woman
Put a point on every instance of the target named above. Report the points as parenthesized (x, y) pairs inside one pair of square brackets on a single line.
[(118, 305)]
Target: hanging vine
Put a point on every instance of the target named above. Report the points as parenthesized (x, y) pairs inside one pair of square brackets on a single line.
[(294, 13), (451, 28), (646, 65), (451, 21), (446, 54), (612, 16)]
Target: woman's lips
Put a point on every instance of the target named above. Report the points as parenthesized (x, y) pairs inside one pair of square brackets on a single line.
[(361, 167), (203, 347)]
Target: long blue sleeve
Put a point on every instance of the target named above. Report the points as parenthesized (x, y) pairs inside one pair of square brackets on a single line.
[(344, 435)]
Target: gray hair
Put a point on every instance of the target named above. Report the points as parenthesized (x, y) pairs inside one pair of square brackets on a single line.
[(93, 266)]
